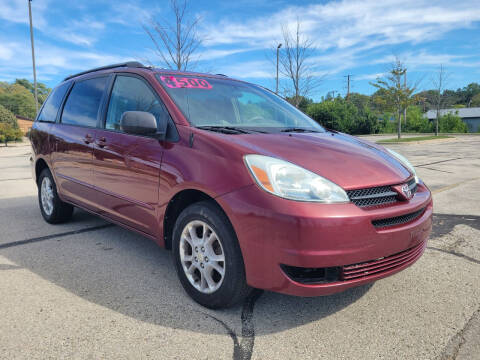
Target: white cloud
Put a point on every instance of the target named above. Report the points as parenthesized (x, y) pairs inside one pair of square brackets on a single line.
[(6, 51), (50, 60), (424, 58), (346, 33), (17, 11), (342, 24)]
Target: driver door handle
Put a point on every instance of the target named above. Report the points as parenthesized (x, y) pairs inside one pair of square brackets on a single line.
[(102, 142), (88, 139)]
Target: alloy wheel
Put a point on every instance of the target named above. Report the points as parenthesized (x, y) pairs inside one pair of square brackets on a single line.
[(46, 194), (202, 256)]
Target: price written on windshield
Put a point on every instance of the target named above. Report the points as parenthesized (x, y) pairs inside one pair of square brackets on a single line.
[(185, 82)]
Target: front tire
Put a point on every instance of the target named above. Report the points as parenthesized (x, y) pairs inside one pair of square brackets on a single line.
[(53, 210), (207, 257)]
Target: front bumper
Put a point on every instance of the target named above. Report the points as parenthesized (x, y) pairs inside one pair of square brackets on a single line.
[(273, 232)]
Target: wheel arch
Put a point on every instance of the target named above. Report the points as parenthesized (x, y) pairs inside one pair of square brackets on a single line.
[(177, 204), (40, 165)]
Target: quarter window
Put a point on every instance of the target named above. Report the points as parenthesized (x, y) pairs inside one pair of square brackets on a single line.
[(132, 94), (50, 109), (83, 102)]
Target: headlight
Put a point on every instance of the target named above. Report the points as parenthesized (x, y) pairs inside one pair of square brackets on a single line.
[(292, 182), (405, 162)]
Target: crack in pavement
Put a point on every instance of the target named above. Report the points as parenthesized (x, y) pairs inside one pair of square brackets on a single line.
[(53, 236), (456, 342), (429, 168), (451, 252), (438, 162), (9, 267), (443, 224), (25, 178), (243, 350), (13, 156)]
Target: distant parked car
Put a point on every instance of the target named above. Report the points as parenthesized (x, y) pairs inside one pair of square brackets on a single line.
[(245, 189)]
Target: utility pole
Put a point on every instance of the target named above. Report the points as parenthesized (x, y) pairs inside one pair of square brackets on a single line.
[(348, 84), (405, 87), (33, 56), (278, 49)]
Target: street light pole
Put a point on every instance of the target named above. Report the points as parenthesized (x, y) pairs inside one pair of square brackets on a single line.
[(405, 87), (33, 56), (278, 48)]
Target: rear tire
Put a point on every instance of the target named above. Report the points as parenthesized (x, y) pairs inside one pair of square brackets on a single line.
[(53, 210), (207, 257)]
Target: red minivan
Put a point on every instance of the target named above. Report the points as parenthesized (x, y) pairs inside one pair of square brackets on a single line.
[(245, 189)]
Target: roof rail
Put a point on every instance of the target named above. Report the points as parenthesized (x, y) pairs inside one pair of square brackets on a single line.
[(130, 64), (221, 75)]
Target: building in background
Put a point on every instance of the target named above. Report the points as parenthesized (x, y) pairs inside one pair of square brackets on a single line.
[(24, 123), (470, 116)]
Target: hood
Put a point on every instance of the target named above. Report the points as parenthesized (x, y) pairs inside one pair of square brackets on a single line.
[(347, 161)]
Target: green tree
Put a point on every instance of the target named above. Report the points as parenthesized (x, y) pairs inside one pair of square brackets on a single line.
[(469, 92), (303, 103), (378, 101), (341, 115), (476, 100), (7, 117), (17, 99), (452, 98), (366, 122), (359, 100), (396, 95), (335, 114), (42, 89)]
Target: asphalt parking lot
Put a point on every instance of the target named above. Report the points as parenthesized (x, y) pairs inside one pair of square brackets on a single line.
[(91, 290)]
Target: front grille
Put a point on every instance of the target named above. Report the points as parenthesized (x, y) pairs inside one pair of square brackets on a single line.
[(353, 271), (312, 275), (377, 196), (397, 220), (378, 266)]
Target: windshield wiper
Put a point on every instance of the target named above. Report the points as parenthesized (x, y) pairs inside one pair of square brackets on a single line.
[(225, 129), (300, 130)]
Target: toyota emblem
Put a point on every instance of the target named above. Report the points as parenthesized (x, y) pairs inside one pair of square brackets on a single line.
[(406, 191)]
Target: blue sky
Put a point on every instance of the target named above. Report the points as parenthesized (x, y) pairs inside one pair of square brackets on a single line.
[(350, 37)]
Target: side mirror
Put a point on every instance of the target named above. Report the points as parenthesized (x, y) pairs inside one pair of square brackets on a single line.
[(141, 123)]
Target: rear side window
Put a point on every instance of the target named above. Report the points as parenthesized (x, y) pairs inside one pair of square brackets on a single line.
[(83, 103), (50, 109), (132, 94)]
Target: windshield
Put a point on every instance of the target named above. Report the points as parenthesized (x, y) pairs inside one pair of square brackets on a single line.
[(211, 103)]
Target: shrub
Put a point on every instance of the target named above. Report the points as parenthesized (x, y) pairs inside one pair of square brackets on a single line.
[(387, 126), (6, 116), (332, 114), (451, 123), (7, 133), (416, 122), (366, 122), (342, 115)]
